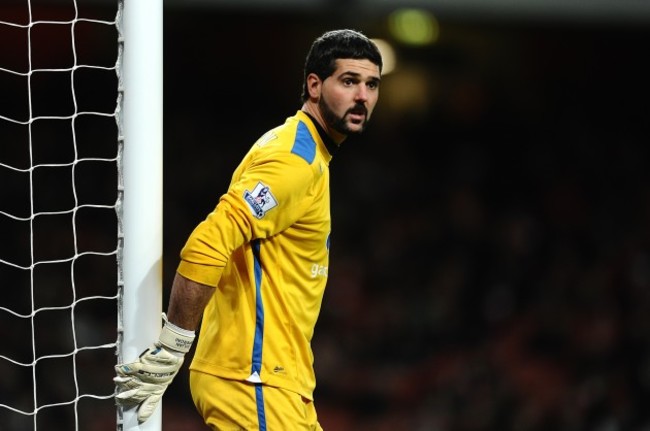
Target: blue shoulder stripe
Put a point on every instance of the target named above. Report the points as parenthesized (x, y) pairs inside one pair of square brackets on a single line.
[(304, 145)]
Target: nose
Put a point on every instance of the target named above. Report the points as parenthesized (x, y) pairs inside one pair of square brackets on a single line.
[(362, 93)]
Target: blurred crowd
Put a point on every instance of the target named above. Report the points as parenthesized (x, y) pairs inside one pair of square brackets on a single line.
[(490, 257)]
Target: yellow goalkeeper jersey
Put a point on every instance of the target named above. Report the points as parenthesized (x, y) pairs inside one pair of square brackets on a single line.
[(265, 247)]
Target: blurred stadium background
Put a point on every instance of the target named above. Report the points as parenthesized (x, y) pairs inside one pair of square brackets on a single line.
[(490, 264)]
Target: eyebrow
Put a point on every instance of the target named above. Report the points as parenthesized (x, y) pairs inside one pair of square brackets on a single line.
[(358, 76)]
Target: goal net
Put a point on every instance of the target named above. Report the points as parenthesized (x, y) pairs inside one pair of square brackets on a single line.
[(59, 214)]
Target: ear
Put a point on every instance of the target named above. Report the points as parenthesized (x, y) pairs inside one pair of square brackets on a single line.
[(314, 85)]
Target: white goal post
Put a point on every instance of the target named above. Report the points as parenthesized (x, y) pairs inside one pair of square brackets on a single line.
[(141, 89)]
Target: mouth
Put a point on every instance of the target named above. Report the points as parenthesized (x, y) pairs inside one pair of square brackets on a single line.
[(357, 115)]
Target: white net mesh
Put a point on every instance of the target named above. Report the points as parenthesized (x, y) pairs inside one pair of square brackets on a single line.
[(58, 215)]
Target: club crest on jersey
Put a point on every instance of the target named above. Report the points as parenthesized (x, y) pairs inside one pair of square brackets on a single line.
[(260, 200)]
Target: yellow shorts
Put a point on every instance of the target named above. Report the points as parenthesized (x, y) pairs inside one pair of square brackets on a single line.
[(231, 405)]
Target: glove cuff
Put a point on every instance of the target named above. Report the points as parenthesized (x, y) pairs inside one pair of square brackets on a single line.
[(175, 338)]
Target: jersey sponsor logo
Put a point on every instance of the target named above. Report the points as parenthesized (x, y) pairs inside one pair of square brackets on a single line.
[(260, 200), (319, 270)]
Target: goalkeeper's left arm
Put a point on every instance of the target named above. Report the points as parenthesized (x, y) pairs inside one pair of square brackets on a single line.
[(143, 382)]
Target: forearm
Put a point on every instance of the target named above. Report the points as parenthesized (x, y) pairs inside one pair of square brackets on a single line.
[(144, 381), (187, 301)]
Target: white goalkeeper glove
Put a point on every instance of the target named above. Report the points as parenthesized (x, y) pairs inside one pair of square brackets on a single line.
[(144, 381)]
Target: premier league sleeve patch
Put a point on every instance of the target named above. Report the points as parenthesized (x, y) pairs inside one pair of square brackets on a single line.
[(260, 200)]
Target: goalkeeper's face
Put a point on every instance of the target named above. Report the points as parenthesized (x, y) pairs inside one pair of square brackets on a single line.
[(349, 95)]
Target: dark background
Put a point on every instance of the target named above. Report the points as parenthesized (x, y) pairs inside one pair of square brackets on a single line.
[(490, 257), (489, 249)]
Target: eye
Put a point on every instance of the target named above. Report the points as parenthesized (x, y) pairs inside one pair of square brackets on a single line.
[(373, 85), (348, 81)]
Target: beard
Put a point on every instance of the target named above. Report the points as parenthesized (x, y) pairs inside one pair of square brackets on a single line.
[(338, 123)]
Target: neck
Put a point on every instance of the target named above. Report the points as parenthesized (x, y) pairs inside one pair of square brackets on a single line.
[(313, 110)]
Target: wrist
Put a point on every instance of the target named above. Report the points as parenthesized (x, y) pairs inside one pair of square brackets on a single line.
[(175, 338)]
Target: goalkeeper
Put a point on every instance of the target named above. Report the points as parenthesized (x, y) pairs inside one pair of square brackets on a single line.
[(253, 273)]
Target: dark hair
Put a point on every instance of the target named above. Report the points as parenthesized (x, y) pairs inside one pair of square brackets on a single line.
[(334, 45)]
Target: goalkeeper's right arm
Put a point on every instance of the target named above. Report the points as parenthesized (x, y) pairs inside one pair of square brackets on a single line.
[(143, 382)]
